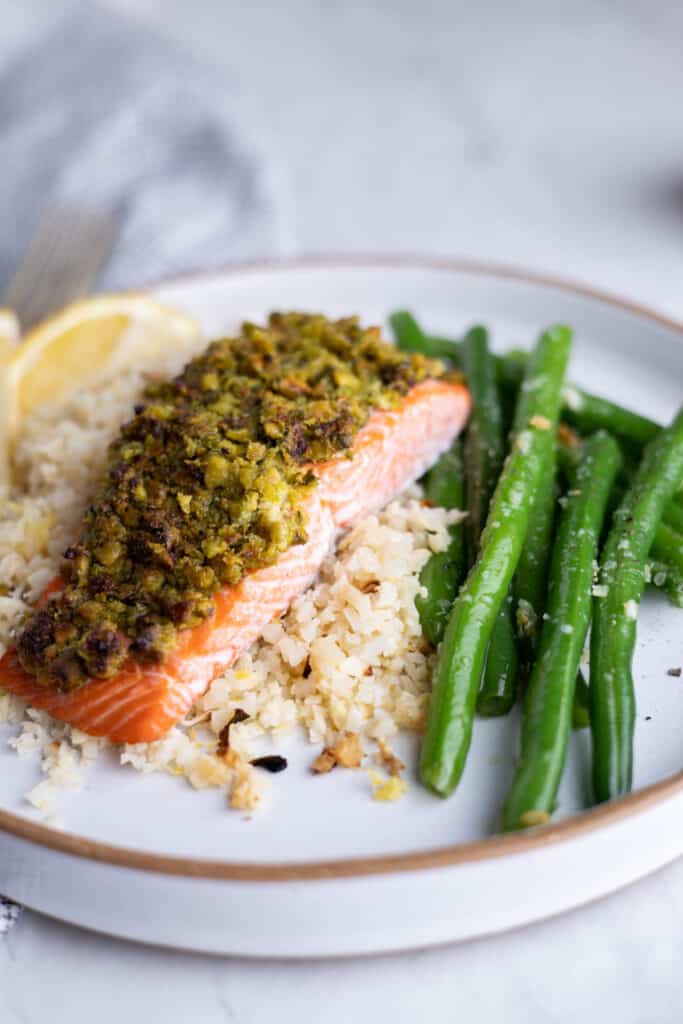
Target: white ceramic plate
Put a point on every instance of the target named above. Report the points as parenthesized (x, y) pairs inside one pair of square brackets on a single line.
[(326, 870)]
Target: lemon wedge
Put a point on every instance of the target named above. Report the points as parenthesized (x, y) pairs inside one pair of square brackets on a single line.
[(84, 343), (9, 334)]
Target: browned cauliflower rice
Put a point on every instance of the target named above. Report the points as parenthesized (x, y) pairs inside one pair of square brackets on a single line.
[(348, 656)]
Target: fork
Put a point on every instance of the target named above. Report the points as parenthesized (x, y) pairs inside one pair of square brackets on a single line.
[(62, 261)]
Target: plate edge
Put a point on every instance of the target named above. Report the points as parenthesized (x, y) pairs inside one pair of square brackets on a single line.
[(449, 856)]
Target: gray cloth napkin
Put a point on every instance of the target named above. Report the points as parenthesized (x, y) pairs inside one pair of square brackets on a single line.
[(101, 112), (9, 912)]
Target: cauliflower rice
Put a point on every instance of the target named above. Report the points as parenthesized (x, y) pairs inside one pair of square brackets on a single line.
[(348, 656)]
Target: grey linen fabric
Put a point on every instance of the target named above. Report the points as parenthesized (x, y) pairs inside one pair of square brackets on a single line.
[(102, 113), (9, 912)]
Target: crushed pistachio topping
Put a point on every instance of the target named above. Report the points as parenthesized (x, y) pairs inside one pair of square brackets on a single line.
[(205, 484)]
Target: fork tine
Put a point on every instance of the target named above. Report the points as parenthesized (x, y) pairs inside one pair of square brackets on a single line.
[(61, 263)]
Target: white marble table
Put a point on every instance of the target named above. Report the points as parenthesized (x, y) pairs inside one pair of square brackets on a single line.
[(543, 134), (616, 960)]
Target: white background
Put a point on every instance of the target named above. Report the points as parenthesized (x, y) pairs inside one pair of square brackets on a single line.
[(543, 134)]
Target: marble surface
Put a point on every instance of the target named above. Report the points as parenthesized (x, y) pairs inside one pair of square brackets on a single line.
[(538, 133), (618, 959)]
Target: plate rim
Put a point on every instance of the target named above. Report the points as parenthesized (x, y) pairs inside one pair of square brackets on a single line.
[(492, 847)]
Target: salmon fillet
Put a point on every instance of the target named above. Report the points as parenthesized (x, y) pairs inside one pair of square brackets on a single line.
[(142, 702)]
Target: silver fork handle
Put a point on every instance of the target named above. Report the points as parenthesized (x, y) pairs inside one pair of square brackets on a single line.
[(63, 259)]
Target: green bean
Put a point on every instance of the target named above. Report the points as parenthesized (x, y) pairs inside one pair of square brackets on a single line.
[(410, 337), (510, 369), (462, 653), (590, 413), (530, 581), (568, 458), (549, 701), (622, 570), (498, 690), (585, 411), (530, 584), (581, 712), (484, 442), (443, 483), (666, 579), (440, 576), (667, 547), (673, 516), (484, 456), (443, 572)]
